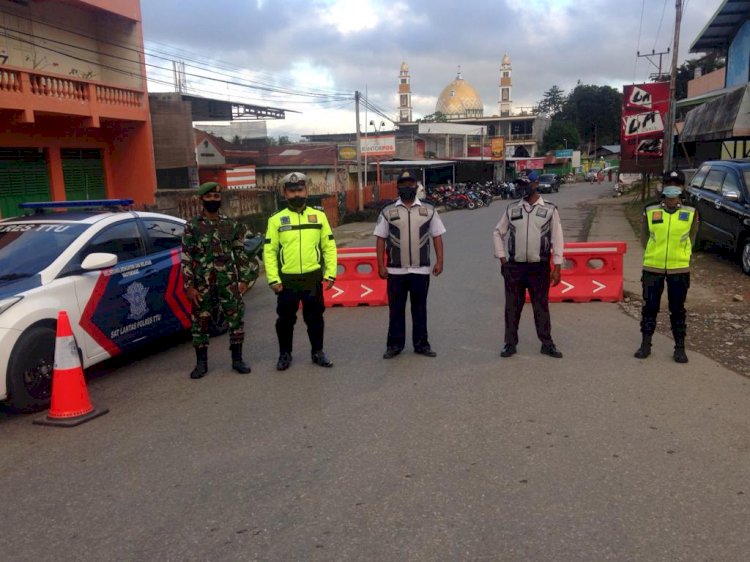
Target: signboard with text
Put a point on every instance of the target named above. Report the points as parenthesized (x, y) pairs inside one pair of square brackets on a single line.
[(644, 112), (530, 164), (378, 145), (498, 148), (564, 153)]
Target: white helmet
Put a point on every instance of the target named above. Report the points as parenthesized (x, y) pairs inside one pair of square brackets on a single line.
[(294, 178)]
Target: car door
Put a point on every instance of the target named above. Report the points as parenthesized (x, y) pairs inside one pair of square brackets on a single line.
[(118, 304), (713, 219), (735, 211), (164, 246)]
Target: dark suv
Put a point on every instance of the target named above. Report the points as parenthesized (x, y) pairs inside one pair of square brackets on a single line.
[(720, 190), (548, 183)]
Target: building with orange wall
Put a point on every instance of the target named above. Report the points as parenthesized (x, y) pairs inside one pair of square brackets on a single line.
[(74, 114)]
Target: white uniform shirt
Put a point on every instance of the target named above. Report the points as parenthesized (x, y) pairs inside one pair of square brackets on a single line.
[(436, 229)]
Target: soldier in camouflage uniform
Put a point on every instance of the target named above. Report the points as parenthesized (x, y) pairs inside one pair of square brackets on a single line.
[(214, 258)]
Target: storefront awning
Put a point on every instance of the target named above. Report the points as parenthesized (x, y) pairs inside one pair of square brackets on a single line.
[(722, 118)]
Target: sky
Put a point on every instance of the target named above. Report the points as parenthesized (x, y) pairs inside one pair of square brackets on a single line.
[(314, 54)]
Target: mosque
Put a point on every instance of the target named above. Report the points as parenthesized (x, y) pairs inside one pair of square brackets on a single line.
[(459, 128)]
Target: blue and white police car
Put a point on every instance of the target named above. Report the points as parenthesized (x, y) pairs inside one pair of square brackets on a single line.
[(115, 272)]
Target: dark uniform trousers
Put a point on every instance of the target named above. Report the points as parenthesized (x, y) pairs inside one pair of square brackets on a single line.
[(307, 289), (535, 277), (413, 286), (677, 289)]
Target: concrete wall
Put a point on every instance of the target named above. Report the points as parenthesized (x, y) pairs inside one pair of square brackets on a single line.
[(706, 83)]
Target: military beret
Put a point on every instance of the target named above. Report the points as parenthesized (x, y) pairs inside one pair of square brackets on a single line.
[(208, 187)]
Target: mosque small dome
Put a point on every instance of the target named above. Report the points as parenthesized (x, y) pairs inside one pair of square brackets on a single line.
[(506, 59), (404, 67), (459, 99)]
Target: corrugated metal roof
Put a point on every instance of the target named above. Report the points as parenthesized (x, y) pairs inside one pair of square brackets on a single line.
[(722, 118), (719, 32)]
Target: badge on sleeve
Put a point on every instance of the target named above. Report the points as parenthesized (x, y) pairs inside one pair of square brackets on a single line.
[(683, 216), (286, 220), (312, 218)]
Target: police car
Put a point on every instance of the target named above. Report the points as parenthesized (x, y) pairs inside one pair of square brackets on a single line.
[(116, 273)]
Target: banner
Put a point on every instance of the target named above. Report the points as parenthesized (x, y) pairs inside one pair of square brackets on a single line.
[(497, 145), (383, 145), (644, 112), (530, 164)]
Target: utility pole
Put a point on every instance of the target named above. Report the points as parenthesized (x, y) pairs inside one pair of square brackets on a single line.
[(653, 54), (360, 192), (669, 125)]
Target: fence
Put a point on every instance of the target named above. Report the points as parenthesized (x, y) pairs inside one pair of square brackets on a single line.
[(388, 192)]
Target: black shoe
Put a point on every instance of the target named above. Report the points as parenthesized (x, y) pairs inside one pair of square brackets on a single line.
[(508, 350), (201, 363), (285, 359), (551, 350), (679, 355), (391, 352), (319, 358), (426, 351)]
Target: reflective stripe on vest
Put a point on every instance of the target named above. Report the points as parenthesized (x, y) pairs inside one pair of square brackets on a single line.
[(408, 242), (668, 245)]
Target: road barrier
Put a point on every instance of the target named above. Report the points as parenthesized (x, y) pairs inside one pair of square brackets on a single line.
[(593, 271), (70, 399), (357, 280)]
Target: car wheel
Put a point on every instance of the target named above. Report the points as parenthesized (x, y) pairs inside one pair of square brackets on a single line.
[(30, 369), (745, 256)]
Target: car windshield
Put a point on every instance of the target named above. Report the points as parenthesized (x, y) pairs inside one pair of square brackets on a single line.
[(27, 248), (546, 177)]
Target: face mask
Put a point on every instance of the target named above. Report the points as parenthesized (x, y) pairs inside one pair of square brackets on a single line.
[(407, 193), (524, 190), (671, 191), (296, 203), (211, 206)]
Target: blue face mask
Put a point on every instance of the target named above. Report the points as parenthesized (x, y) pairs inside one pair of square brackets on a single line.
[(671, 191)]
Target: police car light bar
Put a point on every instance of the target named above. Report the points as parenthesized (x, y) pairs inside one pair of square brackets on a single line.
[(76, 204)]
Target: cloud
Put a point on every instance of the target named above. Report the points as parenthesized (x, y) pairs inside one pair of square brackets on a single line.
[(343, 46)]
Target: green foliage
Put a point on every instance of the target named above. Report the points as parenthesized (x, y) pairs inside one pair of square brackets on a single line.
[(553, 101), (558, 133), (686, 72), (595, 112), (437, 117)]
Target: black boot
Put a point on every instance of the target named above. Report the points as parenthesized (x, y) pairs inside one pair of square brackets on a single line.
[(645, 349), (201, 363), (679, 351), (237, 363)]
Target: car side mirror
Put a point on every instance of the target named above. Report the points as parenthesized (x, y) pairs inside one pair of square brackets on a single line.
[(98, 260), (731, 195)]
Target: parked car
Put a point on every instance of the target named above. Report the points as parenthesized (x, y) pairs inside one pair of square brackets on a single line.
[(548, 183), (116, 273), (720, 190)]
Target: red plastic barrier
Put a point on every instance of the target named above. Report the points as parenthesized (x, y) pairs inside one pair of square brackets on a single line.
[(357, 280), (593, 271)]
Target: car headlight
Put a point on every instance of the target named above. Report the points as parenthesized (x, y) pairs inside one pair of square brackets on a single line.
[(5, 304)]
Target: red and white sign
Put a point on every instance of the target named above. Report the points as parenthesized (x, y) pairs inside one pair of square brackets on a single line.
[(241, 178), (378, 145), (644, 109), (530, 164)]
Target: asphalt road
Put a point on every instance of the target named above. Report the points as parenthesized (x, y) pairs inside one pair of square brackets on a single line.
[(597, 456)]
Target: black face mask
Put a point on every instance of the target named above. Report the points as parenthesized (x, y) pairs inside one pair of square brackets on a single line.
[(524, 190), (211, 206), (296, 203), (407, 193)]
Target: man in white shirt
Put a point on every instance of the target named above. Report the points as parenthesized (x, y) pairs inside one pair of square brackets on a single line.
[(528, 234), (403, 233)]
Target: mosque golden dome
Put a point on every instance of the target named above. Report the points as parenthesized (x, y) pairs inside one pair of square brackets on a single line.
[(459, 99)]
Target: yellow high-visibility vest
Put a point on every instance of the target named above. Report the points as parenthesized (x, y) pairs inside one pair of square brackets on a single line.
[(669, 247)]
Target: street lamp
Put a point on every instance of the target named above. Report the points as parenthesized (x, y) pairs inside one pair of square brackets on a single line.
[(377, 128), (566, 143)]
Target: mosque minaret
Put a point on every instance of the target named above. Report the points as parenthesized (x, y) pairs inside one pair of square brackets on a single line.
[(404, 95), (506, 84)]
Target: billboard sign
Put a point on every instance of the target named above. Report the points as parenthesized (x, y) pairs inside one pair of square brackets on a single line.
[(644, 112), (497, 145), (347, 153), (530, 164), (564, 153), (378, 145)]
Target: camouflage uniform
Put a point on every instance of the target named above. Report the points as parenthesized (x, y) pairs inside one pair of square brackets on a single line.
[(213, 256)]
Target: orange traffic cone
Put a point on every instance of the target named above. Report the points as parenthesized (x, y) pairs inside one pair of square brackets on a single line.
[(70, 398)]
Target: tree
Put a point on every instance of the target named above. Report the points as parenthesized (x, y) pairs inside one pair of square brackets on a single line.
[(686, 72), (437, 117), (553, 101), (595, 111), (560, 134)]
